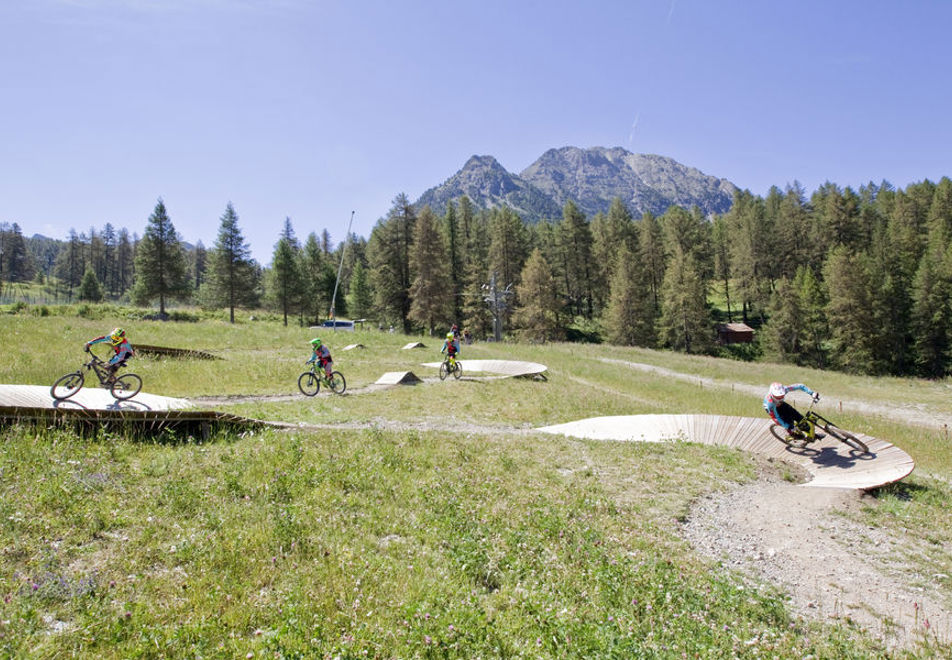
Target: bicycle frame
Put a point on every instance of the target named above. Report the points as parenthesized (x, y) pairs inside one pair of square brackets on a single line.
[(100, 367), (807, 425)]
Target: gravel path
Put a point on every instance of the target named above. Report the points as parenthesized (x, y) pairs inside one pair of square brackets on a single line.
[(832, 568)]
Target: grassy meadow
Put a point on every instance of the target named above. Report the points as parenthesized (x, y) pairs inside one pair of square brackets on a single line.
[(396, 536)]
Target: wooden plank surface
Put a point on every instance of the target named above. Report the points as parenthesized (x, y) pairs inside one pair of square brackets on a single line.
[(831, 463)]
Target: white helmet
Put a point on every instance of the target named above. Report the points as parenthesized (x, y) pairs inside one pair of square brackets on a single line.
[(777, 391)]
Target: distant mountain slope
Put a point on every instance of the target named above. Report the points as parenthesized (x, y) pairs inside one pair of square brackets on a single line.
[(488, 184), (592, 178)]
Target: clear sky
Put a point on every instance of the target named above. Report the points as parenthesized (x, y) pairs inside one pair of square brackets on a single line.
[(312, 109)]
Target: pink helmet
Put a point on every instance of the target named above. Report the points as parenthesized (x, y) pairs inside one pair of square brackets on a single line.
[(777, 391)]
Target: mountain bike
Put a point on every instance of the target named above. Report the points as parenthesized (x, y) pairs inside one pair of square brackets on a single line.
[(310, 381), (450, 366), (805, 432), (121, 387)]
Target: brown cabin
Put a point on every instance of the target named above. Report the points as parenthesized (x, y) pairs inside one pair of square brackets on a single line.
[(734, 333)]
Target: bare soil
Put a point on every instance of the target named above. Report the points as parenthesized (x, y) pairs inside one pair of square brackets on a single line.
[(799, 540)]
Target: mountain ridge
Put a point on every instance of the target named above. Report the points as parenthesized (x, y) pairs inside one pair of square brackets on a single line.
[(591, 177)]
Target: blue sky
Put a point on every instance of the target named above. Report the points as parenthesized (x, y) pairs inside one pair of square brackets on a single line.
[(311, 109)]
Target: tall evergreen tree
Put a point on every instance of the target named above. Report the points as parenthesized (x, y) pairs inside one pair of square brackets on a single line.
[(317, 279), (232, 273), (652, 254), (361, 294), (71, 263), (477, 317), (537, 316), (932, 316), (780, 337), (611, 233), (454, 251), (507, 245), (575, 243), (685, 322), (161, 269), (630, 316), (814, 326), (89, 288), (850, 311), (125, 262), (388, 252), (285, 277), (18, 266), (430, 294), (199, 264)]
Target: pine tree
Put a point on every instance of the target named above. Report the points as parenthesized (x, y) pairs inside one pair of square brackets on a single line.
[(388, 252), (685, 322), (71, 263), (611, 234), (361, 294), (454, 253), (537, 315), (161, 268), (317, 279), (18, 266), (199, 264), (932, 317), (507, 245), (652, 254), (125, 262), (850, 311), (781, 335), (814, 327), (89, 288), (284, 285), (630, 316), (477, 317), (751, 254), (232, 273), (575, 245), (431, 292)]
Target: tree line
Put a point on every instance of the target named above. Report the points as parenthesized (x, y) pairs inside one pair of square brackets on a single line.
[(853, 280), (859, 280)]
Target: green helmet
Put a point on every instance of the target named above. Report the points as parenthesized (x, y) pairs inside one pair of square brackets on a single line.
[(316, 342)]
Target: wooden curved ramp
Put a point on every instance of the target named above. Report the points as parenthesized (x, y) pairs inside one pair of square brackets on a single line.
[(88, 398), (502, 367), (831, 463), (94, 407)]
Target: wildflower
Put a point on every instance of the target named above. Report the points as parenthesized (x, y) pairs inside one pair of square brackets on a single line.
[(427, 640)]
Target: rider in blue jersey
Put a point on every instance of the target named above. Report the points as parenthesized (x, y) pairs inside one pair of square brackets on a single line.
[(781, 412)]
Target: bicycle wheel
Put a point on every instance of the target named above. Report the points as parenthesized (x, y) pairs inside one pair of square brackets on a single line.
[(444, 370), (126, 386), (458, 371), (337, 382), (847, 439), (68, 385), (309, 383), (781, 434)]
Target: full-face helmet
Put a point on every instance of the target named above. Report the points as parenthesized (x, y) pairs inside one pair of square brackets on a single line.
[(117, 335), (777, 391), (316, 342)]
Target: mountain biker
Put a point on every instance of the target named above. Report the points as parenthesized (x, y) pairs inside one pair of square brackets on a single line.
[(781, 412), (322, 355), (120, 344), (450, 346)]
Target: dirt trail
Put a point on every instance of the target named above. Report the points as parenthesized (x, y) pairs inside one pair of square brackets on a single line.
[(831, 567)]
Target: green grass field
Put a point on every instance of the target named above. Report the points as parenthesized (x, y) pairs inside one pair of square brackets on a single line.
[(385, 542)]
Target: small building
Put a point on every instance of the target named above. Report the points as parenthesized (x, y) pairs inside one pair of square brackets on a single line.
[(734, 333)]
